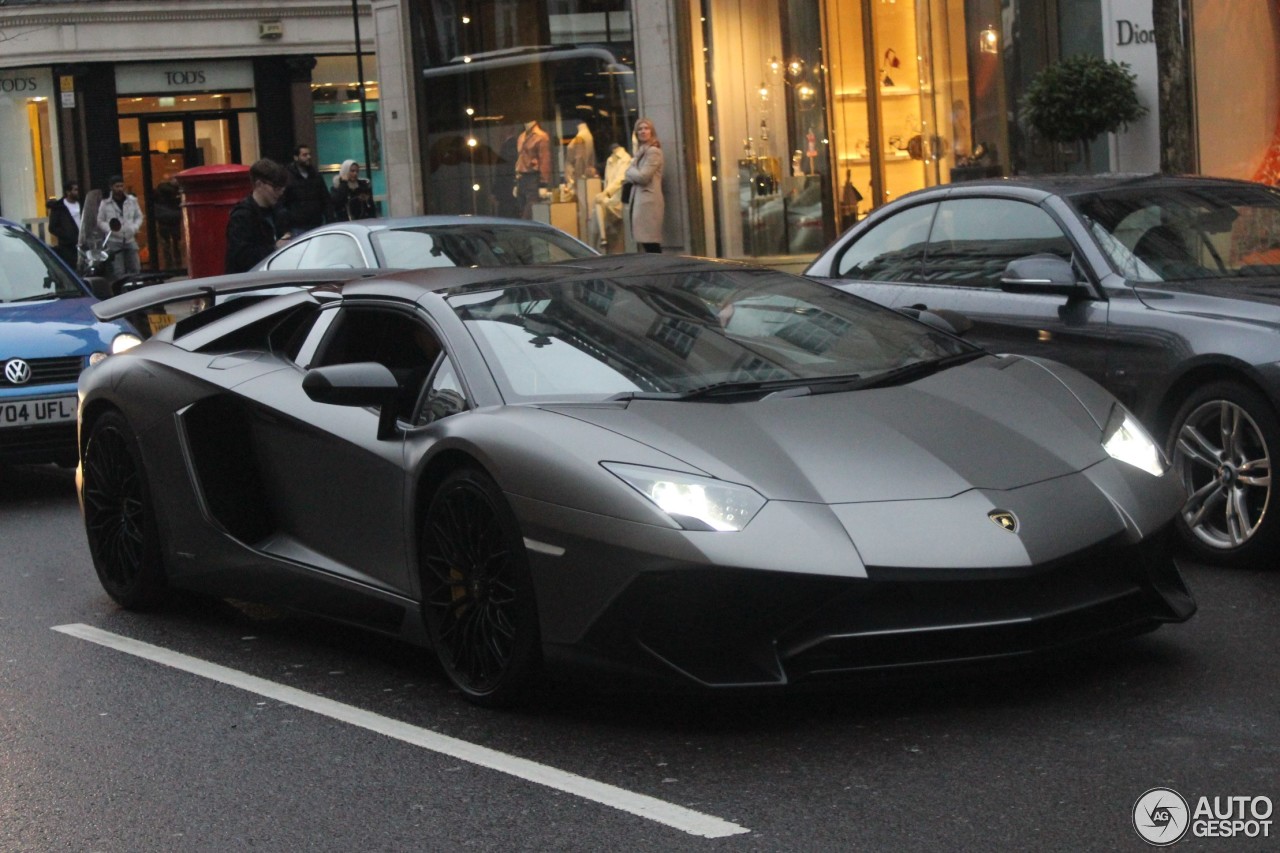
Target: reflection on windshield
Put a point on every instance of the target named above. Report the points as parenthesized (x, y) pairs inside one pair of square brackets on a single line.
[(472, 246), (28, 273), (669, 334), (1185, 233)]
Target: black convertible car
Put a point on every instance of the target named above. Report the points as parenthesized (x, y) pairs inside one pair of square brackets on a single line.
[(663, 469)]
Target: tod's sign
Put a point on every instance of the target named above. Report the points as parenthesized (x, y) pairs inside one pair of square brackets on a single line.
[(169, 77)]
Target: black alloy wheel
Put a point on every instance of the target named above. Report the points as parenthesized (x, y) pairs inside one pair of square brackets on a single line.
[(119, 516), (478, 601), (1220, 447)]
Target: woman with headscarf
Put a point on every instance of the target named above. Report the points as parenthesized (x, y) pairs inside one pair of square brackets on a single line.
[(645, 206), (352, 196)]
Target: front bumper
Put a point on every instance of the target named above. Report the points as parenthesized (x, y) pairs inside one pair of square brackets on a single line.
[(721, 627)]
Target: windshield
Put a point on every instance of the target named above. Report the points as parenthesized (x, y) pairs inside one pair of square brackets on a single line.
[(29, 273), (473, 246), (1187, 232), (682, 333)]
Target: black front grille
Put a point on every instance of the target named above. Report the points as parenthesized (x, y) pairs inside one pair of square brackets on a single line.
[(47, 371), (45, 443)]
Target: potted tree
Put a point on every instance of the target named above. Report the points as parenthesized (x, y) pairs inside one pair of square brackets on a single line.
[(1080, 98)]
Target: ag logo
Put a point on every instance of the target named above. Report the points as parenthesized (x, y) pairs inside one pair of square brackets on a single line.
[(1161, 816), (1005, 519)]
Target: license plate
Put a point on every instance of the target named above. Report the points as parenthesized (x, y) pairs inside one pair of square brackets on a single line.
[(32, 412)]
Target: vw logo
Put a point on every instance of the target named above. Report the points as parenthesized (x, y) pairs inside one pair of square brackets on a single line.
[(17, 371), (1005, 519)]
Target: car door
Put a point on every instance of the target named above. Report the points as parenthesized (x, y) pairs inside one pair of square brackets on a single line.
[(886, 255), (971, 240), (338, 490)]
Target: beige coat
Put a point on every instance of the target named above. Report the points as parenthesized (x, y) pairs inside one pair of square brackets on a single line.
[(647, 205)]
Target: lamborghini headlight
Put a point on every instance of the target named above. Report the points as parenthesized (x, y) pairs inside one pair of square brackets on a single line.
[(1125, 439), (693, 502)]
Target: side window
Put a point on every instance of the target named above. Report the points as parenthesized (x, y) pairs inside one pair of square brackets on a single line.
[(973, 239), (332, 251), (444, 395), (400, 341), (891, 251), (289, 257)]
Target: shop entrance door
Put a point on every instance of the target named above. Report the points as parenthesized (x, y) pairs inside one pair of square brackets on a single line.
[(172, 143), (902, 83)]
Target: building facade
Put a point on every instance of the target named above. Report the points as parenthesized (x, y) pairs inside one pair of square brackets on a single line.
[(781, 121), (145, 90)]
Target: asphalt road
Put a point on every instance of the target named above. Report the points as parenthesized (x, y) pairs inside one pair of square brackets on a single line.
[(272, 732)]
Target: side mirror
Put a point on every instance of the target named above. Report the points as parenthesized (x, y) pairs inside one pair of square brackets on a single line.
[(1047, 274), (943, 319), (364, 383)]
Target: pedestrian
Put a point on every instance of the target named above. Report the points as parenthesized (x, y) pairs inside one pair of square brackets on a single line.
[(166, 204), (258, 224), (120, 218), (307, 198), (644, 175), (352, 196), (64, 222)]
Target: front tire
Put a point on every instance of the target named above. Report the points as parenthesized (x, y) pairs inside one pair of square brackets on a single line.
[(477, 593), (119, 516), (1221, 445)]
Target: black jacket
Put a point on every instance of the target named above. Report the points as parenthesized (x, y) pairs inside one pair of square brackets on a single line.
[(62, 224), (357, 204), (306, 200), (252, 232)]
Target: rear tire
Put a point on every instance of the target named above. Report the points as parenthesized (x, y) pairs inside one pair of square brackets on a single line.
[(477, 592), (119, 516), (1221, 445)]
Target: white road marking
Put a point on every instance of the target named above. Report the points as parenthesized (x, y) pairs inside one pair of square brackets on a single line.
[(650, 808)]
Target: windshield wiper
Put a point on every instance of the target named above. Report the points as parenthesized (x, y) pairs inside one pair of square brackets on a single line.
[(918, 370)]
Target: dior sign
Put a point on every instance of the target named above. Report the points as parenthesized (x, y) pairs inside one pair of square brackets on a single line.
[(1128, 33)]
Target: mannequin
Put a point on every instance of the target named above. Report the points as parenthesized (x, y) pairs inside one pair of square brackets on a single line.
[(581, 155), (607, 205), (533, 166)]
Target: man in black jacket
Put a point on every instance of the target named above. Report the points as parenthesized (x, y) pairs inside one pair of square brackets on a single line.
[(307, 198), (258, 224), (64, 222)]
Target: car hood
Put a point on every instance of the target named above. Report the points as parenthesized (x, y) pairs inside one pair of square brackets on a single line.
[(57, 328), (1252, 299), (997, 423)]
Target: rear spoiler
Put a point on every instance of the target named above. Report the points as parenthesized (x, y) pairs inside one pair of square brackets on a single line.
[(154, 295)]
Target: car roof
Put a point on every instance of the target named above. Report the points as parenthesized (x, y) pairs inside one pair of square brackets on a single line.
[(1072, 185), (436, 221)]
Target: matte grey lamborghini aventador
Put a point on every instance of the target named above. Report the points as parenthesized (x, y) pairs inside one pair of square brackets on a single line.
[(651, 467)]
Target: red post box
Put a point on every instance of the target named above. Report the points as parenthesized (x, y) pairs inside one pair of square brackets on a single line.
[(208, 194)]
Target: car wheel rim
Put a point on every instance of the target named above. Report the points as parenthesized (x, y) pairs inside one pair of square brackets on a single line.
[(472, 594), (1226, 468), (114, 509)]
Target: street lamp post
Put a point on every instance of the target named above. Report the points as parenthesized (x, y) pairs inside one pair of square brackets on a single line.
[(364, 120)]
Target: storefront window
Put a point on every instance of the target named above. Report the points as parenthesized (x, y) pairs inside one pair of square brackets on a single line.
[(27, 171), (335, 95), (825, 109), (556, 78), (172, 117)]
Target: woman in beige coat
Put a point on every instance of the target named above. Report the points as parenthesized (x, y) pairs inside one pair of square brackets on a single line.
[(644, 216)]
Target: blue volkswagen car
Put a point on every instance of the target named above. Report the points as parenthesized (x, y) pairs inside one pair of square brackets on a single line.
[(47, 336)]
